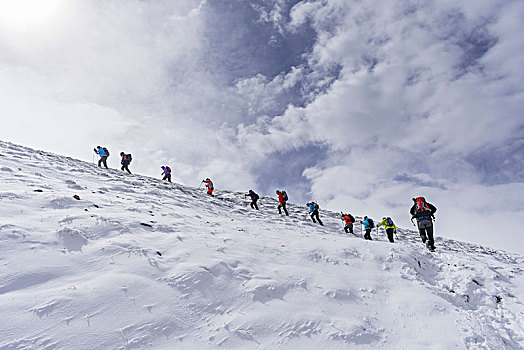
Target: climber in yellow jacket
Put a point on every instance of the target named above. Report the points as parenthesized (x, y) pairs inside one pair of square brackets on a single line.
[(390, 227)]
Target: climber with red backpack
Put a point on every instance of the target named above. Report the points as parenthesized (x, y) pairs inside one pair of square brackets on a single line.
[(166, 171), (424, 212)]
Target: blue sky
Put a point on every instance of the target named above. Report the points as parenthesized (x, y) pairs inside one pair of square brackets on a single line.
[(360, 105)]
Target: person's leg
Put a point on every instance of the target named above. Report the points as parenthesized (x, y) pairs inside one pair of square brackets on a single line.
[(431, 242), (318, 218), (284, 207), (164, 178), (255, 204), (279, 208), (127, 168), (312, 216), (346, 228), (104, 161), (350, 227), (389, 232), (169, 177), (368, 234), (422, 231), (100, 162)]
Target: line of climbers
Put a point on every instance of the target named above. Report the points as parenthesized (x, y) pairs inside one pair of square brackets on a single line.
[(104, 153), (421, 210)]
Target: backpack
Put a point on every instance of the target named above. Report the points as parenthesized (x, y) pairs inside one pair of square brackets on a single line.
[(421, 206), (106, 151), (389, 222), (128, 158), (168, 170), (315, 206), (352, 218), (284, 196), (371, 223)]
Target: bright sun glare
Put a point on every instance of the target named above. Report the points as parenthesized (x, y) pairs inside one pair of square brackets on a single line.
[(28, 15)]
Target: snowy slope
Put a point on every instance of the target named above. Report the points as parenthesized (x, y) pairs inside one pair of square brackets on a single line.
[(85, 274)]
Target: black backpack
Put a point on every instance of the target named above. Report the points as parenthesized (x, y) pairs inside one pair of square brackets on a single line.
[(284, 196), (371, 223), (106, 151), (352, 218), (128, 158)]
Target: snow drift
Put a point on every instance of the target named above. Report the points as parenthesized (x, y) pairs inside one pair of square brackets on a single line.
[(133, 262)]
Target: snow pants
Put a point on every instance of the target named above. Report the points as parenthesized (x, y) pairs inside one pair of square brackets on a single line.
[(349, 228), (367, 235), (314, 215), (167, 177), (390, 232), (283, 206), (254, 204), (103, 160), (425, 228), (125, 167)]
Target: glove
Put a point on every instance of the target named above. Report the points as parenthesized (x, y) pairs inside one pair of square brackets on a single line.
[(94, 149)]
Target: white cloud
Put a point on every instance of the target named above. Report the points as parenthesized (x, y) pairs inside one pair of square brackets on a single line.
[(393, 99)]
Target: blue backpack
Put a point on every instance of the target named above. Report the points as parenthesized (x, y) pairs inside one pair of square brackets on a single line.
[(389, 222)]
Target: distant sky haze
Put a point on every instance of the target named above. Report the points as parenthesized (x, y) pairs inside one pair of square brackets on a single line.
[(359, 105)]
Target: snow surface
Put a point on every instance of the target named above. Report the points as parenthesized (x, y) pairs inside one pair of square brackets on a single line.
[(85, 273)]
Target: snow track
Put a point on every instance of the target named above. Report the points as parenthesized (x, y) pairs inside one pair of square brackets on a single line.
[(86, 273)]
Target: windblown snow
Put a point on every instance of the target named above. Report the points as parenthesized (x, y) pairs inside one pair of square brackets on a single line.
[(133, 262)]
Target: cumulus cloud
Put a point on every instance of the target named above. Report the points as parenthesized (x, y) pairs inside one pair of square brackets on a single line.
[(358, 105), (423, 94)]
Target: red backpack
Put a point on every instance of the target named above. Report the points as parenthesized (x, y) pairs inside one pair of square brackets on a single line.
[(422, 206)]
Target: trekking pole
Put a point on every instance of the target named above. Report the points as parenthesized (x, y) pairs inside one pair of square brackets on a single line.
[(200, 184), (412, 221)]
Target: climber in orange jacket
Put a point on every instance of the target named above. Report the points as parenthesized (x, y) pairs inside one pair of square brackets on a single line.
[(209, 185)]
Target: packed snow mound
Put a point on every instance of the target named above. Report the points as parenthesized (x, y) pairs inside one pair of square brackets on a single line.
[(99, 259)]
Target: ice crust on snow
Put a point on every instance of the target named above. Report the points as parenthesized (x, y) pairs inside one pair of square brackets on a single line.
[(85, 274)]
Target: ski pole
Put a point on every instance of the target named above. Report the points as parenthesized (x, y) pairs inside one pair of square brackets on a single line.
[(200, 184), (412, 221)]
